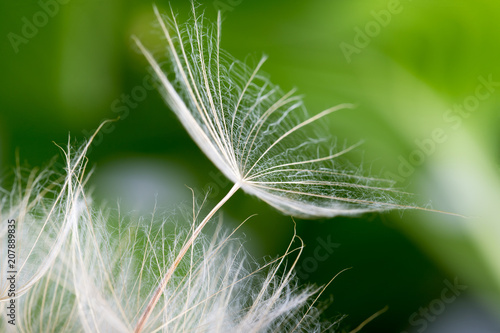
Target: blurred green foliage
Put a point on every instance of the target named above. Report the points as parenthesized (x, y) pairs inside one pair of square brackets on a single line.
[(410, 66)]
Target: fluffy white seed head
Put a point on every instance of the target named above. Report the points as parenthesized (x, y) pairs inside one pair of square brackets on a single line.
[(92, 269)]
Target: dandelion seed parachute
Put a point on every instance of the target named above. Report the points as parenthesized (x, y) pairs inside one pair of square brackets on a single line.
[(252, 131)]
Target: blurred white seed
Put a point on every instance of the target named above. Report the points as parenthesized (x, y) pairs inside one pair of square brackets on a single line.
[(90, 269)]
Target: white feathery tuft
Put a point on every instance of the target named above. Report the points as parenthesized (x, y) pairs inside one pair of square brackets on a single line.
[(254, 132), (42, 225), (89, 269)]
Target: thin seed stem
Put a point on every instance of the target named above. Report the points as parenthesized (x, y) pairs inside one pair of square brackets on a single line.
[(163, 283)]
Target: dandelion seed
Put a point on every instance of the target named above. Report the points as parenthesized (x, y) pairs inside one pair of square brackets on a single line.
[(250, 129)]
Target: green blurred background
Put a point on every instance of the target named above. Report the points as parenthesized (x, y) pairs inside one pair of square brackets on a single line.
[(423, 75)]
